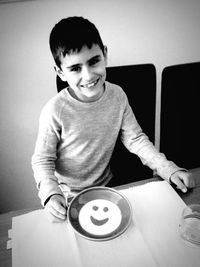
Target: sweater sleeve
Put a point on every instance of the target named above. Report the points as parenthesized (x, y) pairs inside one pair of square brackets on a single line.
[(137, 142), (44, 157)]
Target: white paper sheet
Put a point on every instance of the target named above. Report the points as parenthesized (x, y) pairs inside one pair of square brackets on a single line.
[(37, 242), (151, 240), (158, 209)]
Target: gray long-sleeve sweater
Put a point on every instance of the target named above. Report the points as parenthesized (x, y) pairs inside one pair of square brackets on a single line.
[(76, 140)]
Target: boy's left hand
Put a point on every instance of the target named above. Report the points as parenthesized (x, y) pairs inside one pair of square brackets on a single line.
[(183, 180)]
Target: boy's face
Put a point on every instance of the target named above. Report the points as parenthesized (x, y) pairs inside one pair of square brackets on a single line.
[(85, 73)]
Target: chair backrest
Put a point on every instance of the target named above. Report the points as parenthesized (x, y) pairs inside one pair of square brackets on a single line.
[(60, 84), (139, 83), (180, 112)]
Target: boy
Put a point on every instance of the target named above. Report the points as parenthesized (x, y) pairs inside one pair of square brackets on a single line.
[(79, 126)]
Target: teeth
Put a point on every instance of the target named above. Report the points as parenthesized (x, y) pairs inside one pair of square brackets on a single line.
[(90, 84)]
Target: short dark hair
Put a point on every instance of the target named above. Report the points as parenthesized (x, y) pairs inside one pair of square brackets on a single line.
[(70, 35)]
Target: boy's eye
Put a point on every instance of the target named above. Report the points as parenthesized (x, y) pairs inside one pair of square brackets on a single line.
[(94, 61), (75, 69)]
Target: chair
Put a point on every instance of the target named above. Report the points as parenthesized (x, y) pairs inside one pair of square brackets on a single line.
[(180, 111), (139, 83), (60, 84)]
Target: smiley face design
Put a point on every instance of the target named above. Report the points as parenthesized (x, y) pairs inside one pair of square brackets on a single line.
[(100, 217)]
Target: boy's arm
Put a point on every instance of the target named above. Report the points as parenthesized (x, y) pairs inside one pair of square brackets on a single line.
[(46, 181), (47, 188), (150, 156), (138, 143), (45, 155)]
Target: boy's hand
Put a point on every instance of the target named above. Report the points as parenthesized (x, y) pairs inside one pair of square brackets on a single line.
[(56, 208), (183, 180)]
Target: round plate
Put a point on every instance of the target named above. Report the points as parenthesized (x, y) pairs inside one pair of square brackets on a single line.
[(99, 213)]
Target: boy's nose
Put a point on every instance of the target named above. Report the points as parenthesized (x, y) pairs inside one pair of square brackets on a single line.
[(86, 74)]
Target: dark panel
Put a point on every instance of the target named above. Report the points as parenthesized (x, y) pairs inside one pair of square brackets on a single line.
[(60, 84), (180, 112), (139, 83)]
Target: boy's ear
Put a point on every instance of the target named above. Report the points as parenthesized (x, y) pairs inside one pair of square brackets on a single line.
[(60, 73)]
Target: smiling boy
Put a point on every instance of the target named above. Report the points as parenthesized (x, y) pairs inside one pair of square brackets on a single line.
[(84, 85), (79, 126)]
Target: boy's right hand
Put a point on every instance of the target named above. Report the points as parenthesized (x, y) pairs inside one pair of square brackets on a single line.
[(56, 208)]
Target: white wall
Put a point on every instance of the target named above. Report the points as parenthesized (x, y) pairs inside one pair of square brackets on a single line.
[(135, 31)]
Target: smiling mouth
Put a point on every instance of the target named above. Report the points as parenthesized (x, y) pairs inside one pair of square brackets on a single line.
[(98, 222), (89, 85)]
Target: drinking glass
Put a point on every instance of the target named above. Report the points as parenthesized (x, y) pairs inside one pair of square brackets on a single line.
[(189, 227)]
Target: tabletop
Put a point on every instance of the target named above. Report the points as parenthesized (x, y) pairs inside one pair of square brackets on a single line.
[(192, 196)]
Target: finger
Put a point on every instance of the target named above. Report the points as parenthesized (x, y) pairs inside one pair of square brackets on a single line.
[(191, 181), (56, 214), (52, 218), (59, 210), (179, 184), (188, 180), (59, 206)]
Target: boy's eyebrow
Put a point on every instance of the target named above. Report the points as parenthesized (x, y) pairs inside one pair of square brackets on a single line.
[(95, 57), (79, 64), (73, 66)]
